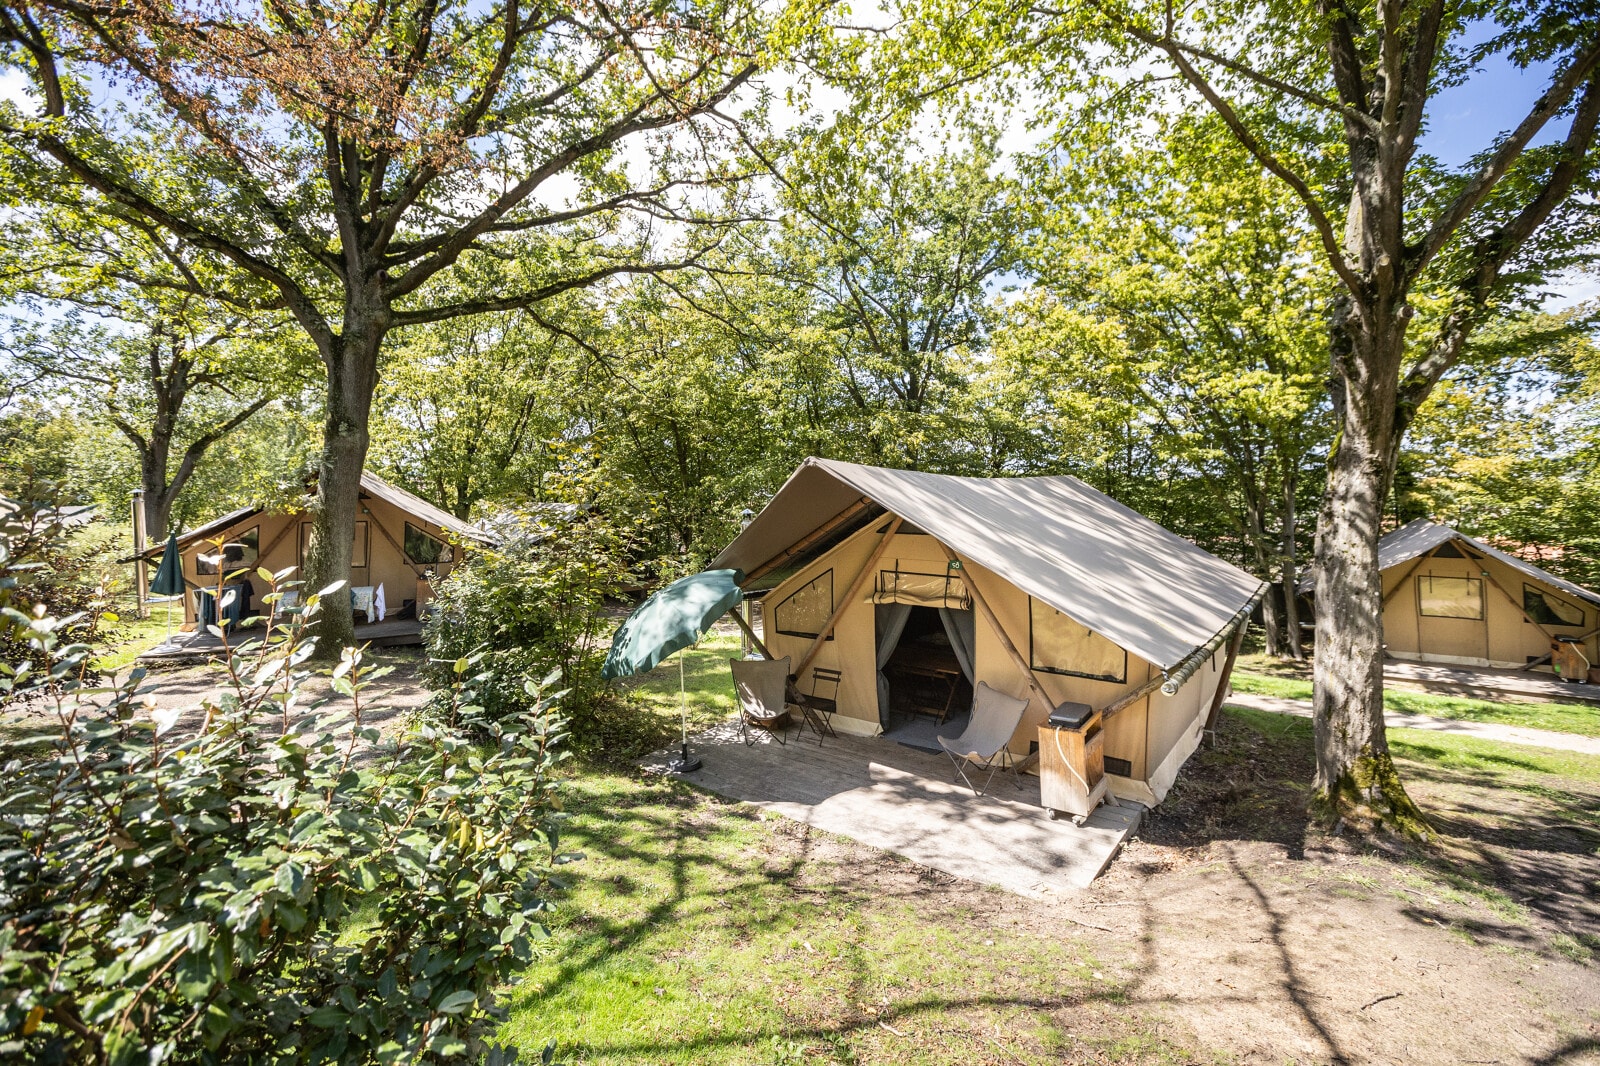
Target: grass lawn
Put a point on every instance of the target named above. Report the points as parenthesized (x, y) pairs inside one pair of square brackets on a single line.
[(703, 932), (1518, 766), (131, 636), (1559, 717)]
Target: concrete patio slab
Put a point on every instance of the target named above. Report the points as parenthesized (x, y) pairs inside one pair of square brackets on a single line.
[(901, 800)]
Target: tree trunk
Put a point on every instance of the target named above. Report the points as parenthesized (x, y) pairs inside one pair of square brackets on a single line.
[(352, 377), (1355, 776), (1272, 623), (1291, 572)]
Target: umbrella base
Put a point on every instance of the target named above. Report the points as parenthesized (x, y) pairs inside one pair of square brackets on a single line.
[(687, 764)]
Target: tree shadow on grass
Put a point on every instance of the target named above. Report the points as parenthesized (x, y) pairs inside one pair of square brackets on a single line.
[(1510, 833)]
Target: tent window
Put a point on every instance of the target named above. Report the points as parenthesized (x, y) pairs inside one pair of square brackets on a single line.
[(238, 552), (1058, 645), (358, 548), (947, 589), (1449, 597), (807, 609), (425, 549), (1550, 610)]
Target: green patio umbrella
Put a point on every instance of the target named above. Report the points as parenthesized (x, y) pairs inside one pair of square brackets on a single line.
[(169, 576), (671, 620)]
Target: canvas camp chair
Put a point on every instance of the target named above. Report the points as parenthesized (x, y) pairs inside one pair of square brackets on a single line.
[(995, 717), (761, 684)]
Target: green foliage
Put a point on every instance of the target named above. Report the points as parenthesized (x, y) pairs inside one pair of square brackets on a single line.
[(533, 606), (49, 571), (258, 880)]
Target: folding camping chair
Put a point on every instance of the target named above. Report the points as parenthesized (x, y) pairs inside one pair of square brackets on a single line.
[(995, 717), (761, 685), (818, 710)]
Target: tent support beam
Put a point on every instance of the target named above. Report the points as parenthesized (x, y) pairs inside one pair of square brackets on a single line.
[(1222, 686), (1404, 578), (999, 631), (805, 542), (738, 616), (1185, 669), (849, 596), (1541, 660), (1483, 569), (1133, 697)]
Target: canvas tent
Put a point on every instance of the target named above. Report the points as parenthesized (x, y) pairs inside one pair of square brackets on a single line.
[(399, 539), (1090, 602), (1450, 598)]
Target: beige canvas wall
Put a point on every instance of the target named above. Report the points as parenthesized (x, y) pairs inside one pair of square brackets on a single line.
[(1151, 734), (279, 544), (1504, 637)]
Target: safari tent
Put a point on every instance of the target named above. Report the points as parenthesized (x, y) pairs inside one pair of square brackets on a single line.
[(1450, 598), (1042, 587), (402, 542)]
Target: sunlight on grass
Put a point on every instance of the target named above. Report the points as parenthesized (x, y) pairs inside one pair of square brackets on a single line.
[(707, 680), (1510, 763), (698, 931), (131, 636), (1558, 717)]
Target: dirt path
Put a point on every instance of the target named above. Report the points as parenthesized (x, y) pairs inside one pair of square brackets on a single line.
[(1508, 734), (387, 702), (1229, 932)]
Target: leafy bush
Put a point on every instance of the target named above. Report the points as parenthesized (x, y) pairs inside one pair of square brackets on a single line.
[(53, 573), (532, 606), (257, 880)]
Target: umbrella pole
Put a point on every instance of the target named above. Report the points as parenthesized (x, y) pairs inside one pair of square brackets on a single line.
[(685, 765)]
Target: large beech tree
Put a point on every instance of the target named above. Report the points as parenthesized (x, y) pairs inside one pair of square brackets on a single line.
[(1332, 98), (347, 155)]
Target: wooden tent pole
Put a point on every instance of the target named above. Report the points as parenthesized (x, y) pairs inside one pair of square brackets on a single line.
[(1222, 685), (805, 542), (1398, 585), (1005, 638), (1523, 610), (849, 596), (744, 625), (1135, 696)]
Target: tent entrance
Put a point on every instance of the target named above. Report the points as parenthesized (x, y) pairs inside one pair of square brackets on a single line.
[(924, 673)]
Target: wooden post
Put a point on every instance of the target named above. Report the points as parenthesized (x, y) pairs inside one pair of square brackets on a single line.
[(141, 566), (1403, 579), (1521, 609), (1135, 696), (749, 634), (805, 542), (849, 596), (999, 630), (1227, 674)]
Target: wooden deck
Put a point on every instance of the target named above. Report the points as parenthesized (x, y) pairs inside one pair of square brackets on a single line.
[(901, 800), (188, 648), (1489, 683)]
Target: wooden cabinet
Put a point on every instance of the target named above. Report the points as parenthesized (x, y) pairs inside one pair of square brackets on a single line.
[(1072, 768)]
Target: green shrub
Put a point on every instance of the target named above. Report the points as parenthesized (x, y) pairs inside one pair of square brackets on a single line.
[(532, 606), (53, 572), (260, 880)]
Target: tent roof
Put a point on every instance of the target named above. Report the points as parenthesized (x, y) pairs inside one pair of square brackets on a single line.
[(1057, 539), (371, 485), (1415, 539)]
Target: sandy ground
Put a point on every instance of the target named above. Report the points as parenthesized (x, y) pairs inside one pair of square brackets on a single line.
[(1229, 929)]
